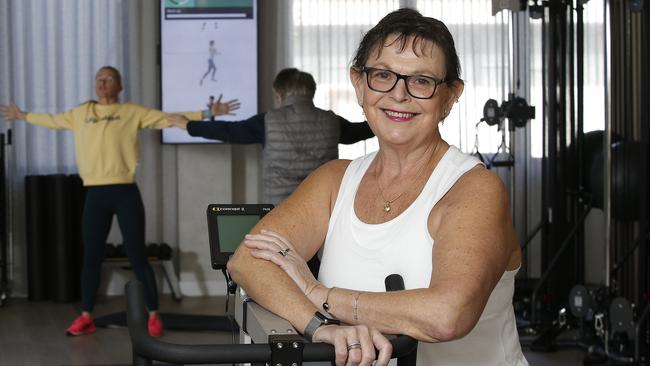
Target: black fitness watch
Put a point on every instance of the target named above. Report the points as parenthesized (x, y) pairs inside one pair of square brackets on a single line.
[(318, 320)]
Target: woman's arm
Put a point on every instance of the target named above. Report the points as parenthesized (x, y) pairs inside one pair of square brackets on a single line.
[(153, 118), (59, 120), (12, 112), (473, 244), (302, 218)]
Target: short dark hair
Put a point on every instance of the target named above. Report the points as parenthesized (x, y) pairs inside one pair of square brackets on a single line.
[(118, 76), (407, 23), (292, 81)]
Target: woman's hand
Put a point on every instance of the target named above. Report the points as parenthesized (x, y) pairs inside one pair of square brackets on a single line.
[(11, 112), (177, 120), (355, 345), (275, 248), (226, 108)]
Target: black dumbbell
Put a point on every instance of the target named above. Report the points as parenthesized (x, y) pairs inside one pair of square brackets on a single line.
[(111, 251), (120, 250), (153, 250), (165, 252)]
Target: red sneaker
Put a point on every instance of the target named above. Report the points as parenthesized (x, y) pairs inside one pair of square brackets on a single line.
[(155, 326), (80, 326)]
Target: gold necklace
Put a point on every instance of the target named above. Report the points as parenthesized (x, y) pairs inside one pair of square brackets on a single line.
[(381, 193), (381, 189)]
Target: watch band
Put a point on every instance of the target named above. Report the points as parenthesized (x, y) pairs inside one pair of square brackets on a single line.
[(315, 322), (311, 327)]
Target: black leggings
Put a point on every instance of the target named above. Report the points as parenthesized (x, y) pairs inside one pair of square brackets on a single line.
[(101, 203)]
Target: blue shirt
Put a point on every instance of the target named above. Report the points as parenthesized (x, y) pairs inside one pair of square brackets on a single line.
[(252, 130)]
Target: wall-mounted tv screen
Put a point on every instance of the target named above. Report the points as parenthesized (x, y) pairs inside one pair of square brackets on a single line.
[(208, 48)]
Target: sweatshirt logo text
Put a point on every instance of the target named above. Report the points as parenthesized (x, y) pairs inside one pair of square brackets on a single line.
[(104, 118)]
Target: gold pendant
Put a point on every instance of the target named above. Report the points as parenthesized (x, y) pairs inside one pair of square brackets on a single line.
[(387, 206)]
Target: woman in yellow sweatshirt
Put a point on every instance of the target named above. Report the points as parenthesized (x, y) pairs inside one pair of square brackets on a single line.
[(106, 144)]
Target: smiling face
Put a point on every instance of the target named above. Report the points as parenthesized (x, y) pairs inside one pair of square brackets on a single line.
[(395, 116)]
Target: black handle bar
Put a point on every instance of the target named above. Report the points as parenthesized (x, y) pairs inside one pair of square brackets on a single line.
[(146, 348)]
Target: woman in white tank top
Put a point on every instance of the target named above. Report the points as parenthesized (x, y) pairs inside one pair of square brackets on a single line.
[(417, 207)]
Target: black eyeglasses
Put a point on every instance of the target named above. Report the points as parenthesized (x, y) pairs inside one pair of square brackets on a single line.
[(418, 86)]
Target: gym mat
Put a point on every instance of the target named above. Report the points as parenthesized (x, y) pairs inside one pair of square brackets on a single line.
[(187, 322)]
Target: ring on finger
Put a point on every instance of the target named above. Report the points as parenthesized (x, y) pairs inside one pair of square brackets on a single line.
[(284, 252), (354, 345)]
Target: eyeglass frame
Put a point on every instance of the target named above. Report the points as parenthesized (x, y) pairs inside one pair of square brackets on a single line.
[(367, 69)]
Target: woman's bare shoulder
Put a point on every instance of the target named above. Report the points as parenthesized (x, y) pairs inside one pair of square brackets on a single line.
[(319, 185), (481, 183), (329, 173), (478, 190), (322, 184), (335, 167)]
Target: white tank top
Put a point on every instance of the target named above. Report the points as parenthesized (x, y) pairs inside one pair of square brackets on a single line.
[(359, 256)]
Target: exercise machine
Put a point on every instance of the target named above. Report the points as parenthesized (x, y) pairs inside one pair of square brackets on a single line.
[(264, 338)]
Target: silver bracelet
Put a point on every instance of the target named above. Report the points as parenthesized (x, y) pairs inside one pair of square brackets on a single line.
[(355, 307)]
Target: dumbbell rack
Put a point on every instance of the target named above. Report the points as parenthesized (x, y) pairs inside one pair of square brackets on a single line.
[(164, 262)]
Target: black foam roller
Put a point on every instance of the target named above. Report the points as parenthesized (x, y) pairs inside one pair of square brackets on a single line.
[(77, 199), (36, 234), (54, 208), (63, 283)]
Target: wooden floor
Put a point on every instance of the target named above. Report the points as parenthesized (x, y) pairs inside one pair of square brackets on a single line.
[(32, 334)]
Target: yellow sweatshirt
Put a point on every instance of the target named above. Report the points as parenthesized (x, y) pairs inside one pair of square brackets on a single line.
[(106, 137)]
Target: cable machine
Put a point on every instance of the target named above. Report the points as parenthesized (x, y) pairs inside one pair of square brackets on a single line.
[(605, 170)]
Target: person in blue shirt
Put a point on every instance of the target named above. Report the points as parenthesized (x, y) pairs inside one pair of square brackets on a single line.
[(297, 136)]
